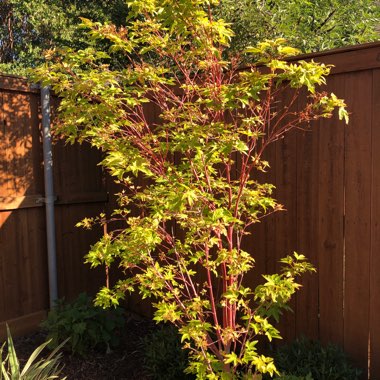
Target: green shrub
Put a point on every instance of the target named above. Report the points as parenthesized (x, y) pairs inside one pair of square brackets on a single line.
[(43, 369), (305, 356), (164, 357), (87, 326)]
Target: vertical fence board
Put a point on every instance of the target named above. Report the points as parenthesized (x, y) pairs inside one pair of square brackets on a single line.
[(330, 184), (38, 295), (267, 234), (285, 222), (357, 216), (9, 249), (260, 242), (307, 301), (375, 233), (72, 245), (18, 150)]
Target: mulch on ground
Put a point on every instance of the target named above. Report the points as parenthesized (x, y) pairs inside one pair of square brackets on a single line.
[(124, 363)]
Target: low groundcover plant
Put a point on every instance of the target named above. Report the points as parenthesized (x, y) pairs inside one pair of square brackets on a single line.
[(188, 175), (83, 326), (321, 362), (163, 356)]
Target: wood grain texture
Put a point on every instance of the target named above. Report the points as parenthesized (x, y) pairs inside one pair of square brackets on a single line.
[(358, 142), (22, 325), (285, 222), (348, 59), (374, 301), (22, 231), (330, 233), (80, 184), (307, 302), (17, 84), (24, 201)]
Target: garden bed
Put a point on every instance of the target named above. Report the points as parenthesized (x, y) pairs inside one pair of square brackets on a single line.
[(125, 363)]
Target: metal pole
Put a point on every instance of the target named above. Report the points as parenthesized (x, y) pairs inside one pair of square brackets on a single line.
[(49, 196)]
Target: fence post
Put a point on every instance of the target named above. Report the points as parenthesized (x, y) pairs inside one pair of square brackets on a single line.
[(49, 196)]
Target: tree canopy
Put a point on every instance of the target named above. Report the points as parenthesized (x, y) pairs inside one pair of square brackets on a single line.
[(307, 25), (28, 27)]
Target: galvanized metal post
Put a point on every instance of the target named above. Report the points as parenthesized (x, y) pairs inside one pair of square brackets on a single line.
[(49, 196)]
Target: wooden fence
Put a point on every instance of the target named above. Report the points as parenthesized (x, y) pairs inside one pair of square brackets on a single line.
[(328, 180), (80, 191)]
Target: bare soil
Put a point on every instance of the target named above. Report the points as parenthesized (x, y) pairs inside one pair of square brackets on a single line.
[(125, 363)]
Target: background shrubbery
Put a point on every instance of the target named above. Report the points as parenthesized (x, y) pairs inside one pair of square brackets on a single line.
[(164, 357), (306, 357), (87, 326), (303, 359)]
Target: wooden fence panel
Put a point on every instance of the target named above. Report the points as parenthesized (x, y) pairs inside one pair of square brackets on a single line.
[(332, 204), (260, 242), (307, 305), (374, 300), (285, 233), (358, 96), (328, 180), (329, 235), (80, 189), (23, 274)]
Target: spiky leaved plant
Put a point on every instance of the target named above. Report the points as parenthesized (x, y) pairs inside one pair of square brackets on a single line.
[(35, 368)]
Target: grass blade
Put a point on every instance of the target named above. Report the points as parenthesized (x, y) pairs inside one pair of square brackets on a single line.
[(12, 357), (33, 357)]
